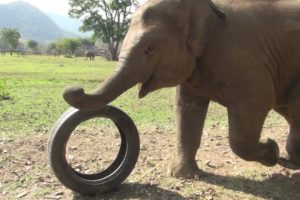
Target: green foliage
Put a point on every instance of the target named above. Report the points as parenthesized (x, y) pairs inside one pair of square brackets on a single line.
[(4, 94), (88, 42), (52, 47), (68, 46), (32, 44), (11, 37), (4, 46), (109, 20)]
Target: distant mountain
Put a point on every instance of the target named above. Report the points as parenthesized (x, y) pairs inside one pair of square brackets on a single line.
[(69, 24), (30, 22)]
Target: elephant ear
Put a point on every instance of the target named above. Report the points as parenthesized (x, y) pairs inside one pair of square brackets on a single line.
[(205, 18)]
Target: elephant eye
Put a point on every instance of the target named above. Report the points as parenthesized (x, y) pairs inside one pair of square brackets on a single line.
[(150, 49)]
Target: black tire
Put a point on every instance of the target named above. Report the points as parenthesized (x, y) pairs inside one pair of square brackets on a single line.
[(111, 177)]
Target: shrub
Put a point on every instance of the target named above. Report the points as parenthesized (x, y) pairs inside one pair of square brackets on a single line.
[(4, 95)]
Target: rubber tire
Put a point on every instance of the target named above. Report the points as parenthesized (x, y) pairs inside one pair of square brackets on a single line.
[(111, 177)]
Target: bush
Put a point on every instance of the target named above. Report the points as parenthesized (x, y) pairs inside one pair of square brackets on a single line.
[(4, 95)]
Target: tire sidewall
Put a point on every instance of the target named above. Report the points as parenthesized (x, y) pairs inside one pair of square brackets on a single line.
[(60, 135)]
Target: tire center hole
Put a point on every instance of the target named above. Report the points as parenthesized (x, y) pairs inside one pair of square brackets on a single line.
[(93, 146)]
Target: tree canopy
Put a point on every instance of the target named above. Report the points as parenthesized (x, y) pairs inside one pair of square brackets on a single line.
[(10, 37), (32, 44), (109, 20), (52, 47), (87, 44), (68, 46)]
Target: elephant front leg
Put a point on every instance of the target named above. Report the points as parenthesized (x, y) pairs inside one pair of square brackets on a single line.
[(190, 115)]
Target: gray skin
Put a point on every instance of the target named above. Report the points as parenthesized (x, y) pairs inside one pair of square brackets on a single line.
[(242, 54), (90, 55)]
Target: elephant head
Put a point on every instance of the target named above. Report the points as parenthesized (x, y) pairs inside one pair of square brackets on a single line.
[(161, 48)]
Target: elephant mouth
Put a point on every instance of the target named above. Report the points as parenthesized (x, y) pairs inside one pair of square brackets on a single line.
[(144, 87)]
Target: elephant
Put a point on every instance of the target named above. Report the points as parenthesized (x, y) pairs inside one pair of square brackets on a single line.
[(90, 55), (242, 54)]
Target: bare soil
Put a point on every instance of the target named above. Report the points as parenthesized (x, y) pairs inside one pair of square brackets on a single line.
[(25, 173)]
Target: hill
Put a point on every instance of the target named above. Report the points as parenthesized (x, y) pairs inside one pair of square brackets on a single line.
[(69, 24), (30, 22)]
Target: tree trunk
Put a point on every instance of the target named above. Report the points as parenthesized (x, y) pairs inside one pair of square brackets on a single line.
[(114, 55), (113, 52)]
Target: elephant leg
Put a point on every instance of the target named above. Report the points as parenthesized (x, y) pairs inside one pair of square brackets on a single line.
[(190, 115), (293, 145), (293, 140), (245, 125)]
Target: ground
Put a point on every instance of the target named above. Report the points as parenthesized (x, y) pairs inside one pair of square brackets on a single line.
[(24, 167), (226, 176)]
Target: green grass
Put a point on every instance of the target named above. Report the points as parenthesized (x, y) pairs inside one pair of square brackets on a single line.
[(35, 83)]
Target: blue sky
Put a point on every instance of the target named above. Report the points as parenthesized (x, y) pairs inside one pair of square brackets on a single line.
[(60, 7)]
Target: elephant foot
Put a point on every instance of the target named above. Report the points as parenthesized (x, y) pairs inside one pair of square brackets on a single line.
[(289, 163), (271, 156), (185, 170)]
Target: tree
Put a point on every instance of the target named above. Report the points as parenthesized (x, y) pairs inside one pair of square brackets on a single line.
[(11, 37), (109, 20), (32, 44), (4, 46), (68, 46), (52, 49), (87, 43)]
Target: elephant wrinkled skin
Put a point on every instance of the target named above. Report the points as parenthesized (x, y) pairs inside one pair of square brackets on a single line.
[(242, 54)]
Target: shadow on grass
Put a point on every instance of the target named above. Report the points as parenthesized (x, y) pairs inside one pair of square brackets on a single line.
[(276, 187), (135, 191)]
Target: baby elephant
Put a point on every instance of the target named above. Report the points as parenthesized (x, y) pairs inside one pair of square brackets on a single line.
[(243, 54)]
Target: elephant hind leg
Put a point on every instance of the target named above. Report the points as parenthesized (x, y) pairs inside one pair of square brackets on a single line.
[(293, 140), (293, 145), (245, 125)]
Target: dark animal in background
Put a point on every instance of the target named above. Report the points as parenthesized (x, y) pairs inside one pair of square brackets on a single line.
[(90, 55)]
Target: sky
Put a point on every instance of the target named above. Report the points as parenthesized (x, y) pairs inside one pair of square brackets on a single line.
[(60, 7)]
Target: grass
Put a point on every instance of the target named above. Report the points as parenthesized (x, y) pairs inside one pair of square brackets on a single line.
[(35, 84)]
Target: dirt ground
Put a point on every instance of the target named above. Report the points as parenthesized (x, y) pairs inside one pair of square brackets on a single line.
[(25, 173)]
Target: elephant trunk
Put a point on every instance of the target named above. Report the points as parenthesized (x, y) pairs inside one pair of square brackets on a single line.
[(120, 81)]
